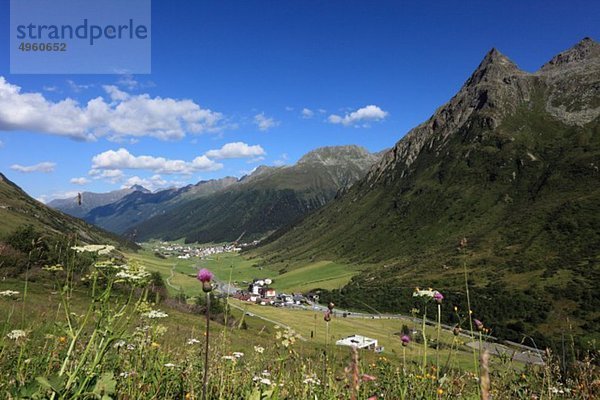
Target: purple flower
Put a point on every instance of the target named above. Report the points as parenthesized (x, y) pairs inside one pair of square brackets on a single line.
[(438, 297), (478, 324), (327, 316), (205, 275), (405, 340)]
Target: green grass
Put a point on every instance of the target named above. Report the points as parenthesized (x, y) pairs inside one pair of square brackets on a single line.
[(320, 274)]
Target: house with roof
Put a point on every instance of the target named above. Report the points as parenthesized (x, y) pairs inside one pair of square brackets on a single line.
[(358, 341)]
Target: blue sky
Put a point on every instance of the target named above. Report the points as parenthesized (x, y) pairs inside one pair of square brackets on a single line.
[(230, 81)]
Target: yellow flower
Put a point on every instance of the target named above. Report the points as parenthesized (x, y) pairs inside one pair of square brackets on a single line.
[(62, 339), (455, 309), (188, 396), (155, 345), (440, 391)]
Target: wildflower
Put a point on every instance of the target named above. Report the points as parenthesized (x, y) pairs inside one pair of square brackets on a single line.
[(9, 293), (101, 249), (265, 373), (405, 339), (264, 381), (155, 345), (155, 314), (311, 380), (327, 316), (62, 339), (119, 344), (456, 330), (438, 297), (170, 365), (205, 276), (16, 334), (478, 324), (259, 349), (330, 306), (455, 309), (230, 358), (192, 341), (440, 391), (53, 268), (238, 354)]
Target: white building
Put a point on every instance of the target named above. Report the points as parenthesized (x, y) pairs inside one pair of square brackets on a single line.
[(358, 341)]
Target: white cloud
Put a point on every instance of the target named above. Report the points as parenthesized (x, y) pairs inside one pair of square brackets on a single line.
[(122, 159), (236, 150), (77, 87), (125, 116), (264, 123), (79, 181), (255, 160), (307, 113), (50, 88), (128, 81), (283, 158), (368, 113), (109, 175), (288, 108), (115, 93), (45, 167), (153, 183)]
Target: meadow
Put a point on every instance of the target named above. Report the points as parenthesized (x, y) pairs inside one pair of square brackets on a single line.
[(109, 330)]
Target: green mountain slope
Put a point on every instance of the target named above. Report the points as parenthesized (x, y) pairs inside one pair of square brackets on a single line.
[(511, 163), (18, 209), (267, 199), (140, 206)]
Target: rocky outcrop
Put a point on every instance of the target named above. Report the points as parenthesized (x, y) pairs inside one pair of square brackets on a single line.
[(495, 89)]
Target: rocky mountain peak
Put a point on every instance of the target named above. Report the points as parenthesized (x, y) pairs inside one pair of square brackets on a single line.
[(139, 188), (495, 66), (587, 49), (335, 154)]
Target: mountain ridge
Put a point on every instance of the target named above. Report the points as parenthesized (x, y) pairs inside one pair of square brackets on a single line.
[(510, 162)]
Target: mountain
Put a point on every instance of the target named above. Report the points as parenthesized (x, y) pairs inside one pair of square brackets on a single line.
[(18, 209), (267, 199), (90, 200), (139, 206), (511, 163)]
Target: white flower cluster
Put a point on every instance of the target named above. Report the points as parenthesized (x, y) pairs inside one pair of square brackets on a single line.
[(311, 380), (155, 314), (193, 341), (138, 274), (9, 293), (259, 349), (264, 381), (53, 268), (101, 249), (16, 334)]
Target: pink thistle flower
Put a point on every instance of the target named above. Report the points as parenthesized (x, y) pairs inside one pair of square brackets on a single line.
[(405, 339), (478, 324), (205, 275), (438, 297), (327, 316)]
